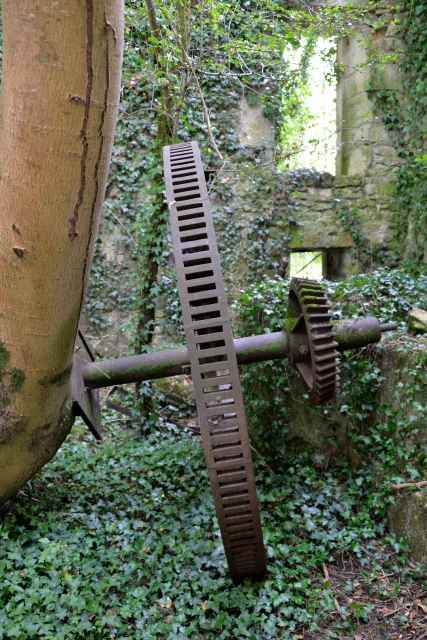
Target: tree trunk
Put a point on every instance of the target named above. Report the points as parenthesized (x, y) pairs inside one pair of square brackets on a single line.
[(59, 101)]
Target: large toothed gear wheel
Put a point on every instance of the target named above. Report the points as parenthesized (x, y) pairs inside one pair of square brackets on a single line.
[(213, 361), (313, 348)]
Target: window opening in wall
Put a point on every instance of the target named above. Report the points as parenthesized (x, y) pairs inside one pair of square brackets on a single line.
[(306, 264), (309, 131)]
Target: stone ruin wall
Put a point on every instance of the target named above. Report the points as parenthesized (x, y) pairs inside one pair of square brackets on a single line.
[(363, 188), (362, 192)]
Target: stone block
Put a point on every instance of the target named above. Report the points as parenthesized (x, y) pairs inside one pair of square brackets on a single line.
[(379, 171), (359, 159), (391, 44), (388, 79), (385, 161), (321, 206), (320, 194), (385, 150), (320, 232), (380, 188), (356, 113), (365, 204), (393, 30), (349, 194), (347, 181), (417, 321), (255, 129)]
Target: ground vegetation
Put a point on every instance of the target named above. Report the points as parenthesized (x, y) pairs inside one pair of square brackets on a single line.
[(119, 539)]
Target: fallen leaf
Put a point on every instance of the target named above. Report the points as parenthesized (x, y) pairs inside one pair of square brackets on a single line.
[(421, 606), (204, 605), (167, 606)]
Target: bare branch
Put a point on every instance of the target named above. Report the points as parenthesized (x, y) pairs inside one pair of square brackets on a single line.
[(205, 109), (407, 485), (336, 603)]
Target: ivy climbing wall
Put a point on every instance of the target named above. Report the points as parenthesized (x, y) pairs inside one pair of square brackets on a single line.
[(353, 217)]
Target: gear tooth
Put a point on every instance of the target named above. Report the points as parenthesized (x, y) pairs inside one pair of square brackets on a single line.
[(324, 347), (329, 375), (323, 326), (326, 357), (322, 336)]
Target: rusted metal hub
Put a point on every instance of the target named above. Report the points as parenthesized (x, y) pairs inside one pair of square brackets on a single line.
[(212, 355)]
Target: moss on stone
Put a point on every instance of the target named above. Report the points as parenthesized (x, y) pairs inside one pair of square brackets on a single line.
[(4, 356), (17, 379)]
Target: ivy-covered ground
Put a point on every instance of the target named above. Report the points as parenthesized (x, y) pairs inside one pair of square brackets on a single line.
[(120, 540)]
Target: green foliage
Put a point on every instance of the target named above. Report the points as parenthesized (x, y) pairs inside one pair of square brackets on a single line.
[(120, 540), (392, 440), (262, 307), (388, 294), (384, 434), (4, 356)]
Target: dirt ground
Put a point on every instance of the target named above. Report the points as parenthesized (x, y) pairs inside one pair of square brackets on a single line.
[(402, 615)]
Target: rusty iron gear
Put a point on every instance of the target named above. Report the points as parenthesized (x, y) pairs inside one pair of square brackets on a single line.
[(213, 361), (313, 347)]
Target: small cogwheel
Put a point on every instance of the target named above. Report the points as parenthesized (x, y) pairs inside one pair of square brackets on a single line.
[(313, 348)]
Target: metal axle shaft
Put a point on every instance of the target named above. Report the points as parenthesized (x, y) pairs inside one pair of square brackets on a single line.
[(349, 334), (173, 362)]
